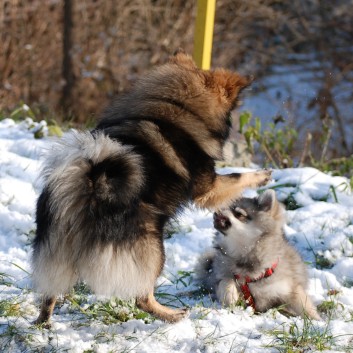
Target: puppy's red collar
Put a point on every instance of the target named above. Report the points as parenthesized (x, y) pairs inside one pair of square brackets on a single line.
[(249, 299)]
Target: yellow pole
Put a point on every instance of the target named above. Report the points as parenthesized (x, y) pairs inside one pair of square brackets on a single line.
[(204, 33)]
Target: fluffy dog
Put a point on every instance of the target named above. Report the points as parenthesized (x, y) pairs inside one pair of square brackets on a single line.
[(253, 260), (108, 193)]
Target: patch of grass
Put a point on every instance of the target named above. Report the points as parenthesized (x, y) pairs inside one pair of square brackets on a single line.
[(108, 312), (104, 337), (291, 203), (332, 190), (328, 307), (81, 289), (79, 295), (336, 166), (174, 227), (24, 340), (6, 279), (322, 262), (15, 339), (10, 308), (171, 300), (294, 337), (39, 128), (277, 144), (113, 311), (31, 234), (183, 278), (22, 112), (348, 282), (7, 337)]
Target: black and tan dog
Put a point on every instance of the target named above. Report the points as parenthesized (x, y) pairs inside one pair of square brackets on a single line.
[(108, 193)]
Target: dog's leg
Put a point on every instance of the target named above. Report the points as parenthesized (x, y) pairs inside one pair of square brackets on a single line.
[(46, 311), (227, 292), (302, 304), (151, 306), (226, 188)]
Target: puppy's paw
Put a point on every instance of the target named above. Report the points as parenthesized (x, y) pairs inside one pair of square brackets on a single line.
[(227, 292), (263, 176)]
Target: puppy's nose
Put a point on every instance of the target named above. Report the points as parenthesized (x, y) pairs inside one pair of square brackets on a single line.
[(220, 221)]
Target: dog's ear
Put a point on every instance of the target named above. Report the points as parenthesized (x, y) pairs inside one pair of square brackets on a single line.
[(181, 58), (267, 201), (230, 83)]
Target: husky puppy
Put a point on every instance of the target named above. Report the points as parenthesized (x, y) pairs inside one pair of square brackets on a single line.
[(252, 259), (108, 193)]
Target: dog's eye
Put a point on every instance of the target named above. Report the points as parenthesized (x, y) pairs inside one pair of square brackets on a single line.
[(241, 215)]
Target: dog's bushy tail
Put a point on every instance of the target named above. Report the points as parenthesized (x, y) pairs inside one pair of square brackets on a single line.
[(84, 173), (90, 183)]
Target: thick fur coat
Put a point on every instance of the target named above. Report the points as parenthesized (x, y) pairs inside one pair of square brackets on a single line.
[(108, 193), (250, 239)]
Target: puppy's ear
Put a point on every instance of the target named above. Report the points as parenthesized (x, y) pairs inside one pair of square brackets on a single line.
[(267, 201), (181, 58), (229, 83)]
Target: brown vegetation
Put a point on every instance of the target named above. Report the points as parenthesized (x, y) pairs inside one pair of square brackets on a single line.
[(71, 66)]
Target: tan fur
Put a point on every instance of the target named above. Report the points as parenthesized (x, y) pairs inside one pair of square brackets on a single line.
[(46, 311), (225, 189), (149, 304), (302, 302)]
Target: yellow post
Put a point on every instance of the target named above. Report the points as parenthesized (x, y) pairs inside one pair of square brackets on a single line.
[(204, 33)]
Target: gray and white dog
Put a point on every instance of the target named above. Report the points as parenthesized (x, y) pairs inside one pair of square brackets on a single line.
[(253, 260)]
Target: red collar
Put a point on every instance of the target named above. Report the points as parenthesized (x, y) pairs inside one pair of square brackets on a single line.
[(249, 299)]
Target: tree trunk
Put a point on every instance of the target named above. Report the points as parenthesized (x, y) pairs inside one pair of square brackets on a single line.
[(67, 69)]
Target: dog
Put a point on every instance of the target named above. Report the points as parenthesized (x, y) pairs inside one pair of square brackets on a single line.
[(108, 193), (253, 261)]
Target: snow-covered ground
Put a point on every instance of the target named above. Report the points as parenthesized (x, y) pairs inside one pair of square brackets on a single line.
[(298, 93), (320, 225)]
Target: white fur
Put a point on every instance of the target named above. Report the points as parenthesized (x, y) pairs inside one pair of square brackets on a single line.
[(119, 272), (107, 271), (234, 242), (77, 145), (226, 291)]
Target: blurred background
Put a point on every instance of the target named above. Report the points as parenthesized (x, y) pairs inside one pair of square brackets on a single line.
[(67, 58)]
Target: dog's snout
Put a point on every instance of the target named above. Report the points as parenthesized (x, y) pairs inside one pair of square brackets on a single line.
[(220, 221)]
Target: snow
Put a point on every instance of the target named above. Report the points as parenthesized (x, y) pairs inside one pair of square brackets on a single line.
[(320, 227)]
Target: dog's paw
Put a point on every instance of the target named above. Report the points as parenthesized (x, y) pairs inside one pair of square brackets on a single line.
[(263, 176), (227, 293), (177, 315), (42, 324)]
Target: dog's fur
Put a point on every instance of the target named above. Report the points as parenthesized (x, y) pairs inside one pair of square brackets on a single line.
[(108, 193), (250, 239)]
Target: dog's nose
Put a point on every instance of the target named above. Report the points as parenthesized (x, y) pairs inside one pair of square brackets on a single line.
[(220, 221)]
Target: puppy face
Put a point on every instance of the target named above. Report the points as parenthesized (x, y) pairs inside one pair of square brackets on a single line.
[(243, 224)]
